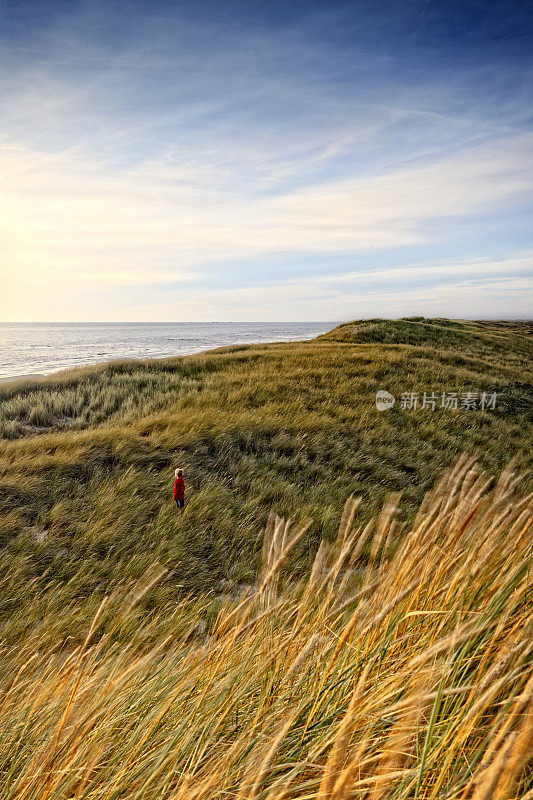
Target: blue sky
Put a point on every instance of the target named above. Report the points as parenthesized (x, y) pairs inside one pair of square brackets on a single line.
[(265, 160)]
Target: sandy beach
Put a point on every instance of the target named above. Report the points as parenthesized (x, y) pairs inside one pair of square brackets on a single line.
[(17, 378)]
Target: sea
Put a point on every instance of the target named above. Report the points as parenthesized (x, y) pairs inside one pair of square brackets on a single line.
[(45, 347)]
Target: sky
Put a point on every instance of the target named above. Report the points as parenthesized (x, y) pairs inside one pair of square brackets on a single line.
[(280, 161)]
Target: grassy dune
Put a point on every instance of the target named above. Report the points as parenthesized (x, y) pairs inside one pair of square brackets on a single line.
[(87, 456), (387, 658), (405, 673)]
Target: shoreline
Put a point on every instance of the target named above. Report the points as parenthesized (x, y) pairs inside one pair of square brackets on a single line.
[(194, 352), (30, 376)]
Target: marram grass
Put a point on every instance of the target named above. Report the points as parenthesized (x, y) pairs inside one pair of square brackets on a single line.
[(406, 674), (87, 456)]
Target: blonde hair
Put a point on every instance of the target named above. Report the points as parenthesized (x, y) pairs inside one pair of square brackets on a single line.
[(178, 473)]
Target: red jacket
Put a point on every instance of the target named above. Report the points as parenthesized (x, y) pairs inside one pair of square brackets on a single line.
[(179, 489)]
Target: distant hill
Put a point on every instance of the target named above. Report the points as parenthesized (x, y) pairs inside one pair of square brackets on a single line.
[(492, 336), (87, 456)]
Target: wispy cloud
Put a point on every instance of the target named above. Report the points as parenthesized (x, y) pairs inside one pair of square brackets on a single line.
[(174, 146), (471, 290), (79, 216)]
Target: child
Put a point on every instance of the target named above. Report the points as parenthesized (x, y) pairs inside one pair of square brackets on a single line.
[(179, 490)]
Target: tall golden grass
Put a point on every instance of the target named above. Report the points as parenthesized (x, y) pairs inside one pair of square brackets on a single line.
[(406, 675)]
